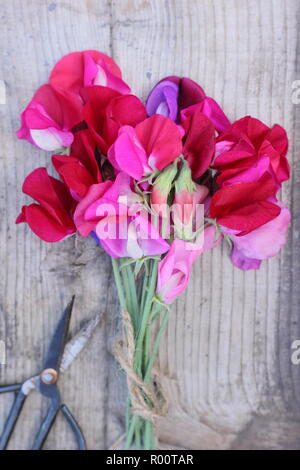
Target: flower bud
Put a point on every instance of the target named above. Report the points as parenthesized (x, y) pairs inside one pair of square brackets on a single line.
[(186, 206), (162, 188)]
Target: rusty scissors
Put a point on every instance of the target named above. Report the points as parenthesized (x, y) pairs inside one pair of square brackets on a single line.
[(59, 357)]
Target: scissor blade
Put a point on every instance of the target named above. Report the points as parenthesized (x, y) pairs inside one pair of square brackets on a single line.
[(76, 344), (58, 341)]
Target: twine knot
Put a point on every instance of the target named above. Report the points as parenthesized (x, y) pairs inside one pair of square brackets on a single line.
[(147, 400)]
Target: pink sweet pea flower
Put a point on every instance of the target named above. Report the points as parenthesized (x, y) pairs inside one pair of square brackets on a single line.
[(174, 270), (142, 238), (173, 96), (94, 193), (264, 242), (48, 120), (81, 69), (210, 108), (50, 219), (249, 148), (151, 145), (119, 221)]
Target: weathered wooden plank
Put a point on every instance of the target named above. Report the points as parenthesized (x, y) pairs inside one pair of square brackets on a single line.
[(38, 279), (226, 360)]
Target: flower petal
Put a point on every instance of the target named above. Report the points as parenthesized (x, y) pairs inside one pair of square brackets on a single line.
[(161, 140)]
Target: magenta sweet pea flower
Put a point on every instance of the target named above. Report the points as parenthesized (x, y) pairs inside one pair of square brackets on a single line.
[(263, 243), (50, 219), (48, 120), (95, 192), (151, 145), (210, 108), (87, 68), (174, 270)]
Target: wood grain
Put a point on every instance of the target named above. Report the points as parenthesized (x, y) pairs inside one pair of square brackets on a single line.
[(225, 362)]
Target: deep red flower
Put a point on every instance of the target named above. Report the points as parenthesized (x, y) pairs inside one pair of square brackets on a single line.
[(199, 141), (107, 110), (245, 206), (248, 149), (50, 219), (79, 170)]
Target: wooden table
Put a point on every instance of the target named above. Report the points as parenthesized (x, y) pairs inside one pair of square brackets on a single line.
[(226, 359)]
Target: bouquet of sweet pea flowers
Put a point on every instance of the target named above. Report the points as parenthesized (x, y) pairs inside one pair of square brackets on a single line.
[(155, 185)]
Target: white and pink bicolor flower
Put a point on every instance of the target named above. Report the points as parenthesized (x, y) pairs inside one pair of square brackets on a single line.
[(119, 220), (48, 119)]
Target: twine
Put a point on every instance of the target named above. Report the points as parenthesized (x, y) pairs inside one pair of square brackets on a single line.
[(147, 400)]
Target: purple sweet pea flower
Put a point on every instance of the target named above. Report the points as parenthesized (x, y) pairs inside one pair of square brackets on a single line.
[(174, 96), (171, 95)]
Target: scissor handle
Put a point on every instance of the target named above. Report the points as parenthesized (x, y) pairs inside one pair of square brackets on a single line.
[(10, 388), (12, 417), (48, 423), (45, 427), (75, 427)]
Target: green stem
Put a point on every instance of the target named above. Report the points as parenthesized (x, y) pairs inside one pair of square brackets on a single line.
[(148, 437), (145, 286), (145, 316), (145, 313), (138, 432), (146, 349), (129, 296), (160, 333), (138, 429), (131, 431), (156, 311), (118, 282), (133, 293)]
